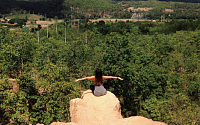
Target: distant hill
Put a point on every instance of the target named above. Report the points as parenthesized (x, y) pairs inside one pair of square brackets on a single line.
[(187, 1), (94, 9), (60, 8), (48, 7)]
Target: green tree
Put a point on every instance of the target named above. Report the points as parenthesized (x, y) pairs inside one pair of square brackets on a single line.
[(56, 20)]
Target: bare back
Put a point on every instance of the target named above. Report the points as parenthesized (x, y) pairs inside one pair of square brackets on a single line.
[(98, 83)]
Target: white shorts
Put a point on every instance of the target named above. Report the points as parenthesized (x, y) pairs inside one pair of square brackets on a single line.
[(100, 90)]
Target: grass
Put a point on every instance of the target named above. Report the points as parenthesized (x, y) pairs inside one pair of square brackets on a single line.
[(23, 16)]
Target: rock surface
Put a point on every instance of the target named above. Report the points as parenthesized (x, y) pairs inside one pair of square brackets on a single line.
[(102, 110)]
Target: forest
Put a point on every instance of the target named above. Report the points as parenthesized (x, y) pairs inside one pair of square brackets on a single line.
[(159, 62)]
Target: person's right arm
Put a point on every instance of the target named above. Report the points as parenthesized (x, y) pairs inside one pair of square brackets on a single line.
[(90, 77)]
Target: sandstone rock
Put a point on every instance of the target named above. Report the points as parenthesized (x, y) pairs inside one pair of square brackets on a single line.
[(102, 110), (92, 108)]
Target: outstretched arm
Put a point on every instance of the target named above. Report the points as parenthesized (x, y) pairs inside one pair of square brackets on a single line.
[(90, 77), (112, 77)]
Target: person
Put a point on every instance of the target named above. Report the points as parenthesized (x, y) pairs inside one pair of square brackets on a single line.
[(99, 88)]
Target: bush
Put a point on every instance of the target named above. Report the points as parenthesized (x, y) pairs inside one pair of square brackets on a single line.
[(12, 21)]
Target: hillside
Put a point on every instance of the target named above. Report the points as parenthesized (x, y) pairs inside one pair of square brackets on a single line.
[(94, 9), (187, 1), (59, 8)]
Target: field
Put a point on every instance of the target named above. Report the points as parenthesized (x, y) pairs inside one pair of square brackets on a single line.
[(114, 20), (23, 16), (33, 20), (139, 9)]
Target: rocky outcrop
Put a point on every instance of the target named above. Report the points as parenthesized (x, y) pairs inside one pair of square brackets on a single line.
[(92, 109), (102, 110)]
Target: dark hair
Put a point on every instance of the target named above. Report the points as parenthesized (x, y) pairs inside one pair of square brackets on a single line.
[(98, 76)]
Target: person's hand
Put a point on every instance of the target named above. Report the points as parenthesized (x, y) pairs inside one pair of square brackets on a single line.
[(120, 78), (76, 80)]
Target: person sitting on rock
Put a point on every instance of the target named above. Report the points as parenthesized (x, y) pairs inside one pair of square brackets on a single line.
[(100, 88)]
